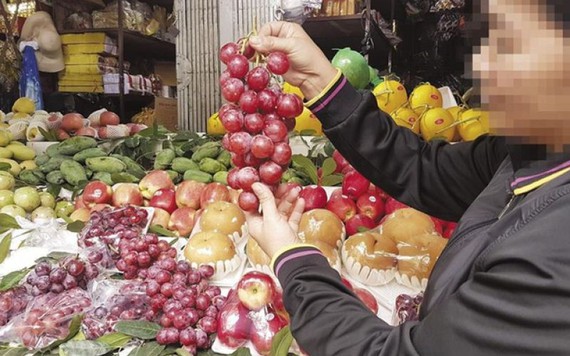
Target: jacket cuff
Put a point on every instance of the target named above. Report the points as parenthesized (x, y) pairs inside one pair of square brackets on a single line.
[(295, 256), (335, 104)]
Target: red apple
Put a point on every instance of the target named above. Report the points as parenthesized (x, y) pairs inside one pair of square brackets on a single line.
[(81, 214), (127, 194), (109, 118), (72, 122), (87, 131), (154, 181), (392, 205), (367, 298), (371, 205), (135, 128), (264, 329), (79, 203), (449, 230), (342, 206), (54, 120), (97, 192), (234, 196), (188, 194), (375, 190), (99, 207), (161, 217), (214, 192), (182, 221), (315, 197), (438, 224), (349, 168), (62, 135), (255, 290), (357, 223), (340, 161), (164, 199), (233, 324), (347, 283), (354, 185)]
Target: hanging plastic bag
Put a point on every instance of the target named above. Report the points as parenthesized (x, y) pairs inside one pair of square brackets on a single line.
[(30, 77)]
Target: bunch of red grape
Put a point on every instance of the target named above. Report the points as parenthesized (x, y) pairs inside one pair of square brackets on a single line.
[(183, 303), (137, 255), (257, 119), (68, 274), (48, 317), (129, 303), (12, 303), (110, 225), (407, 308)]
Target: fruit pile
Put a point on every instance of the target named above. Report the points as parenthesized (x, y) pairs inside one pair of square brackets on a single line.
[(13, 302), (69, 274), (257, 118), (15, 154), (422, 112), (27, 202), (253, 312), (407, 308), (136, 255)]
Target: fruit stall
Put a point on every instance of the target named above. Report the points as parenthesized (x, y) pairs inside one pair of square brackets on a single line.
[(131, 238)]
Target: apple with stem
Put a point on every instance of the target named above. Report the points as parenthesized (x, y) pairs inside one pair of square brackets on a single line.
[(182, 221), (234, 324), (97, 192), (154, 181), (165, 199), (188, 194), (255, 290), (126, 194), (371, 205)]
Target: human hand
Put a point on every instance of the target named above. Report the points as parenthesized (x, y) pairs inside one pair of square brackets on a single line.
[(278, 226), (309, 69)]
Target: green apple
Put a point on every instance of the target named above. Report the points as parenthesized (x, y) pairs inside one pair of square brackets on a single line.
[(46, 199), (7, 181), (6, 198), (42, 213), (27, 197), (13, 210), (63, 208)]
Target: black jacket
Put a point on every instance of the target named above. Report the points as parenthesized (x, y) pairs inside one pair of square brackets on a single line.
[(500, 287)]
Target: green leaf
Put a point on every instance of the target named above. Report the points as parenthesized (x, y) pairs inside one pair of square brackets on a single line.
[(307, 166), (282, 342), (53, 189), (242, 351), (148, 349), (173, 242), (8, 222), (142, 329), (5, 166), (332, 180), (329, 166), (115, 340), (59, 255), (308, 132), (170, 350), (73, 330), (12, 279), (161, 231), (14, 351), (49, 135), (76, 226), (5, 247), (84, 348), (183, 352)]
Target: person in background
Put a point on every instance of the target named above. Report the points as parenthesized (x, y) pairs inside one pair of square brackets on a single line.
[(502, 284)]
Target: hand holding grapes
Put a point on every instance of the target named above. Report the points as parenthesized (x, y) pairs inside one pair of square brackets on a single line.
[(309, 69), (278, 226)]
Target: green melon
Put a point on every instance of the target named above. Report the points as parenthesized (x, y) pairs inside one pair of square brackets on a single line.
[(353, 66)]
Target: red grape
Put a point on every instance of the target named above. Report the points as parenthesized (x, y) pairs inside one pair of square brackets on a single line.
[(224, 77), (232, 120), (262, 146), (246, 177), (248, 52), (181, 321), (289, 106), (233, 89), (250, 160), (188, 337), (238, 66), (282, 154), (270, 173), (208, 324), (202, 302), (277, 63), (237, 160), (248, 201), (162, 277), (248, 101), (266, 101), (272, 117), (240, 142), (232, 178), (254, 123), (258, 78), (227, 51), (206, 271), (275, 130)]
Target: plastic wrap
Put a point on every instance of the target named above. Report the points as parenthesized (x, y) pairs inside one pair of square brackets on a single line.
[(251, 316), (407, 308), (114, 300), (12, 303), (47, 318), (78, 21)]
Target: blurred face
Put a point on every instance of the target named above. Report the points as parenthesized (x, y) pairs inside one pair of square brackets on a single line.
[(524, 73)]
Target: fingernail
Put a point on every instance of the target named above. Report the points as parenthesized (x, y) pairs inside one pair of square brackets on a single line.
[(297, 189), (255, 40)]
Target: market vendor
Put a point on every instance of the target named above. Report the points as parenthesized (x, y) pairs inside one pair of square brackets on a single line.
[(502, 285)]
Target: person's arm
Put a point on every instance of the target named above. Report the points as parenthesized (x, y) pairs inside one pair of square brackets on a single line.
[(516, 303), (438, 178)]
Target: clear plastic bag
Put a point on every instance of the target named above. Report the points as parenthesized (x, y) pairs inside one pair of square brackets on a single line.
[(46, 319), (78, 21), (407, 308), (114, 300), (252, 315), (12, 303)]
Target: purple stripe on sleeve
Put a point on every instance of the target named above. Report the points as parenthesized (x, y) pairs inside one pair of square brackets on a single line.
[(522, 179), (293, 256), (330, 97)]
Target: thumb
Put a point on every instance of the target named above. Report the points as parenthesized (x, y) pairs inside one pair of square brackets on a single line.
[(266, 200), (267, 44)]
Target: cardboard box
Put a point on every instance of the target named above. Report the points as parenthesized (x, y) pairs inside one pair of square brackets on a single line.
[(166, 112), (167, 73)]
